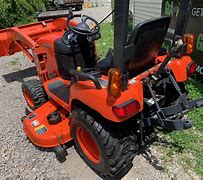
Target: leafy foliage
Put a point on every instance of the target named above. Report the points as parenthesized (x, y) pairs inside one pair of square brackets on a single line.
[(15, 12)]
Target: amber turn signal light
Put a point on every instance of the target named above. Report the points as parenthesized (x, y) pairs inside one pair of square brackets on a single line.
[(189, 40), (114, 83)]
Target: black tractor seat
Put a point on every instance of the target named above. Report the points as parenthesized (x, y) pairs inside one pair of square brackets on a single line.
[(146, 38)]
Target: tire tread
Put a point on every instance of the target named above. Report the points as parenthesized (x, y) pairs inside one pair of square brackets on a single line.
[(36, 91), (120, 146)]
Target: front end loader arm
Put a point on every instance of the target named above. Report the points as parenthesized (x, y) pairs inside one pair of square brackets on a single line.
[(14, 40), (25, 37), (22, 41)]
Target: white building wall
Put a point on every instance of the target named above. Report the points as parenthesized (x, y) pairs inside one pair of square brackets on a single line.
[(145, 9)]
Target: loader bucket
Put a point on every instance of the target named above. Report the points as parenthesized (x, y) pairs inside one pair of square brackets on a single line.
[(23, 38)]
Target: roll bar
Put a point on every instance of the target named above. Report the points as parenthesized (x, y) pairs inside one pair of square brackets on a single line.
[(121, 12)]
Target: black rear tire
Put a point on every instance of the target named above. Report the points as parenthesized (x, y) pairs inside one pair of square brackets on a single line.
[(34, 93), (116, 146)]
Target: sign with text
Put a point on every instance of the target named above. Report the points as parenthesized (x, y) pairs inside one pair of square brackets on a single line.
[(193, 24)]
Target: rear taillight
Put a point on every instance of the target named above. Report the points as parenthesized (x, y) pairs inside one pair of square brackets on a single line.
[(191, 69), (129, 108)]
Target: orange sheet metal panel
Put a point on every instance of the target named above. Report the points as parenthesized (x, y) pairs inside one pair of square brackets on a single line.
[(28, 34), (41, 133)]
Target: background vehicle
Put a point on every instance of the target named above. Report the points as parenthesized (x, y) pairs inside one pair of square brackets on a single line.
[(113, 108), (65, 4)]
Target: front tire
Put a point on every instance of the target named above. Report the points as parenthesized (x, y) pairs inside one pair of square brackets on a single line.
[(34, 93), (106, 148)]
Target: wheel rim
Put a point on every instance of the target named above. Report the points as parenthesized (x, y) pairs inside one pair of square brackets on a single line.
[(28, 98), (88, 145)]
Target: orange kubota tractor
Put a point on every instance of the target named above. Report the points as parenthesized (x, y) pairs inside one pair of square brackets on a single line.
[(112, 108)]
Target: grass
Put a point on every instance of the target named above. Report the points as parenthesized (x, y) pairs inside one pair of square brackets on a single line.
[(187, 145), (196, 91), (106, 41)]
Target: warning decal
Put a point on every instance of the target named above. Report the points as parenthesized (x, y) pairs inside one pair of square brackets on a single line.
[(41, 129)]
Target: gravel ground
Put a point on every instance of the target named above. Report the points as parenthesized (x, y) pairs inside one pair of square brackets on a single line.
[(19, 159)]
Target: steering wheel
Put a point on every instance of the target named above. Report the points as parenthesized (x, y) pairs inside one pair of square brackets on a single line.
[(83, 28)]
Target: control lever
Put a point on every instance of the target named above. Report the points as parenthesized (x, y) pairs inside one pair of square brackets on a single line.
[(171, 54)]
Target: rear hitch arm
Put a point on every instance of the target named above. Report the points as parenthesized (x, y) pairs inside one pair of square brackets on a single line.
[(179, 108), (164, 116), (171, 54), (178, 124)]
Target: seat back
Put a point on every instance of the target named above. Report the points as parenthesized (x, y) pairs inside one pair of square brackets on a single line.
[(146, 38)]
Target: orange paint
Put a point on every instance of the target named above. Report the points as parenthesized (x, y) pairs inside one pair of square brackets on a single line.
[(55, 135), (40, 38)]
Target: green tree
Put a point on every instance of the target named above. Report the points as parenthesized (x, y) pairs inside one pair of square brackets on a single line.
[(15, 12), (6, 18)]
